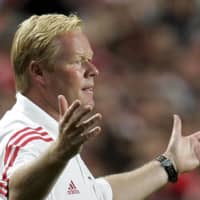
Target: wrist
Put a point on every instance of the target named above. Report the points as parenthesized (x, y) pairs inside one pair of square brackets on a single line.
[(59, 154), (170, 157), (169, 167)]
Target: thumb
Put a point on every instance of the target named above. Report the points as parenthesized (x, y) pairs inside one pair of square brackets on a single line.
[(177, 127), (62, 105)]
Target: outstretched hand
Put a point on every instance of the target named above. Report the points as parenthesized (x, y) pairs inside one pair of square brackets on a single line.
[(75, 126), (183, 151)]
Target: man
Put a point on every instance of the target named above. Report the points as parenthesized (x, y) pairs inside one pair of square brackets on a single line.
[(39, 158)]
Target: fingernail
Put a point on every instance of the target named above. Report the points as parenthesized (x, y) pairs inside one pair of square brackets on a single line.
[(99, 115), (88, 107), (77, 101)]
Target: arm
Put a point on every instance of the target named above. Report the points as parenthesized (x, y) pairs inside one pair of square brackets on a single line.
[(36, 179), (138, 184), (184, 152)]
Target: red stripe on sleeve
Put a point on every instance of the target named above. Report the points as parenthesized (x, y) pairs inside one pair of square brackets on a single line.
[(8, 149), (3, 185), (26, 134), (4, 193), (24, 129), (17, 147), (36, 138)]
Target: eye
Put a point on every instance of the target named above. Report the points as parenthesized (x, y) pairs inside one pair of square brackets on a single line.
[(78, 62), (81, 60)]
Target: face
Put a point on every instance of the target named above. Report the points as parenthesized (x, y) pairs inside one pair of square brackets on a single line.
[(74, 73)]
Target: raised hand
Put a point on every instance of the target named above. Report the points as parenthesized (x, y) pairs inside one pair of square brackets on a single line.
[(183, 151), (75, 126)]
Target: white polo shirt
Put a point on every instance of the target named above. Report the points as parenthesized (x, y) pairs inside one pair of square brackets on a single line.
[(26, 131)]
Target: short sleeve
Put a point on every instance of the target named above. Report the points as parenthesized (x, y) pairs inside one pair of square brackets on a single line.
[(19, 151), (3, 190), (2, 197)]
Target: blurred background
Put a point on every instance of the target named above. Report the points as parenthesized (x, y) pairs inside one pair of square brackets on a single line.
[(148, 53)]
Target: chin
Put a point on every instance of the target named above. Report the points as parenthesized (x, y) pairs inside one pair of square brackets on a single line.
[(87, 100), (89, 103), (92, 104)]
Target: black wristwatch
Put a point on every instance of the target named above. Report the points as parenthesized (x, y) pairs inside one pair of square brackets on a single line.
[(169, 168)]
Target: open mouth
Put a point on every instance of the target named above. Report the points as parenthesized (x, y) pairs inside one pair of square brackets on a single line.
[(89, 89)]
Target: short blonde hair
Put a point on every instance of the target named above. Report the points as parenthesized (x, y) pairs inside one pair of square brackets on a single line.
[(34, 41)]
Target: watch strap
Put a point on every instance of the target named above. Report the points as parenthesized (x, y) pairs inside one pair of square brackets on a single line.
[(167, 164)]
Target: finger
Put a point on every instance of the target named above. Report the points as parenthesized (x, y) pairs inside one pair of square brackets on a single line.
[(70, 111), (91, 121), (196, 147), (62, 105), (197, 151), (92, 133), (89, 134), (79, 115), (197, 135), (78, 141), (177, 127), (87, 125)]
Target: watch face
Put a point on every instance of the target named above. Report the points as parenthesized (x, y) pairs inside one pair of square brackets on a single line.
[(169, 168), (167, 163)]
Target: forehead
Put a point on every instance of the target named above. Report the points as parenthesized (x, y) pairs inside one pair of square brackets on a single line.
[(75, 43)]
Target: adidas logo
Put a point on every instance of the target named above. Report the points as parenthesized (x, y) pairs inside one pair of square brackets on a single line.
[(72, 189)]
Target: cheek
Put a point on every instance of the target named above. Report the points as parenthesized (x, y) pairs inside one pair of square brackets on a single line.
[(74, 78)]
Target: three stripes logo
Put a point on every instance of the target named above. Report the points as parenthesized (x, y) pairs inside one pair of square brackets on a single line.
[(17, 141), (72, 189)]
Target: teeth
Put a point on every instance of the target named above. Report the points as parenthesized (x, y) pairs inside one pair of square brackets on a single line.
[(90, 89)]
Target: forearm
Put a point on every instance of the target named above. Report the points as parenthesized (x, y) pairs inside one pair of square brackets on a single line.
[(36, 179), (138, 184)]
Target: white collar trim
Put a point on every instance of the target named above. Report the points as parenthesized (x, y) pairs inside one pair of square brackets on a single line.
[(36, 114)]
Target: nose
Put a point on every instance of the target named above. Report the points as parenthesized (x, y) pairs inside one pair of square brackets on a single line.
[(91, 69)]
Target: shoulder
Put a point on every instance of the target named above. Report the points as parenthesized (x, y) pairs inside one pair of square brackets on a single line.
[(20, 136), (17, 129), (26, 134), (25, 141)]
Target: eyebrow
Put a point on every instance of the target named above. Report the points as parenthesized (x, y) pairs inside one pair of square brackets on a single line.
[(88, 56)]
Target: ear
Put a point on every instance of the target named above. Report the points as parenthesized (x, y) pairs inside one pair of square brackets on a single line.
[(36, 72)]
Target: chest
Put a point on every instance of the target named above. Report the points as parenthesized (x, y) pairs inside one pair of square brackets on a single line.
[(75, 183)]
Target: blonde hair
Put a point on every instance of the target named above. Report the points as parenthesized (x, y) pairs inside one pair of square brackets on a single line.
[(34, 41)]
